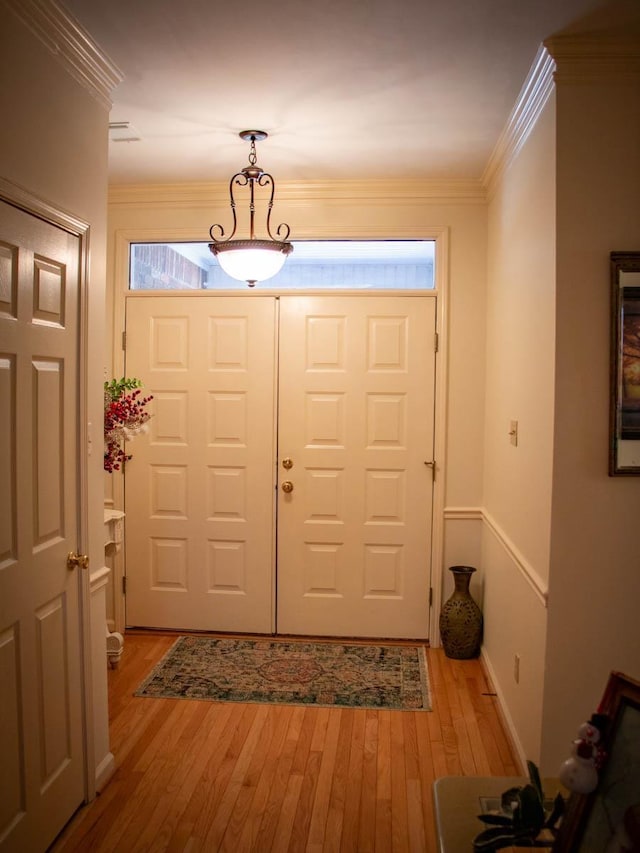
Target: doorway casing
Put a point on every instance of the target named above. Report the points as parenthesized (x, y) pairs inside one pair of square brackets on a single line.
[(119, 261)]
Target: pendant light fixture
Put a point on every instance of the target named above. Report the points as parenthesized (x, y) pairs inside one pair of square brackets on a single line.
[(251, 260)]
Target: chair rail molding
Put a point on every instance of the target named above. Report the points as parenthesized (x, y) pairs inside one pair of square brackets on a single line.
[(463, 513), (534, 580), (470, 513)]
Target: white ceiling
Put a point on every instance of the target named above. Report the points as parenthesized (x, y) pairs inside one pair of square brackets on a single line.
[(345, 88)]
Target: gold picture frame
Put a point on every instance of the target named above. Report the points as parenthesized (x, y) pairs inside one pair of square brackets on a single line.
[(609, 818), (624, 416)]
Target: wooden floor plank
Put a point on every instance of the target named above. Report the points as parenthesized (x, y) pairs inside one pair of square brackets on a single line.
[(187, 780), (280, 782), (320, 811), (383, 782), (240, 763), (175, 786), (251, 838), (201, 808), (211, 822), (207, 776), (339, 775), (399, 809), (367, 785), (351, 822), (302, 818)]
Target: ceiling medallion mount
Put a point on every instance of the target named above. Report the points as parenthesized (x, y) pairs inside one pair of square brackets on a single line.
[(253, 135), (251, 259)]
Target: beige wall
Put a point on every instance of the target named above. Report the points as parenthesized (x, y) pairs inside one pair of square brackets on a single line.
[(526, 339), (54, 145), (520, 345), (593, 624), (517, 479), (554, 522)]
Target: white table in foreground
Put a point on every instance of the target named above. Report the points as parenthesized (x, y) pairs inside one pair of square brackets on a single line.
[(458, 800)]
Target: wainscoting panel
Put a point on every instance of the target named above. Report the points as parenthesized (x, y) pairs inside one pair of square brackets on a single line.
[(463, 547), (515, 628), (513, 599)]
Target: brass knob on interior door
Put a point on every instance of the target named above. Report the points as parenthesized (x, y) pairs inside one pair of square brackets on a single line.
[(287, 486), (74, 560)]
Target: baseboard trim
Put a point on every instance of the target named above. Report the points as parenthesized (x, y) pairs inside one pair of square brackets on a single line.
[(503, 713), (104, 771)]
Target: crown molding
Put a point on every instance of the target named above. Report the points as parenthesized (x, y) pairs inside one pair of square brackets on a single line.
[(72, 45), (531, 101), (299, 193), (589, 57)]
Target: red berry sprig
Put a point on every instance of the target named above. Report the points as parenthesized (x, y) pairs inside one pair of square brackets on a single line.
[(124, 413)]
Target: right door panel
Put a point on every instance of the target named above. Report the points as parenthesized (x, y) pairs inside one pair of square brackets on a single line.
[(356, 413)]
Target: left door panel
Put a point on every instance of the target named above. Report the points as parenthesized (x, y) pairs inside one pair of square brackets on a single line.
[(41, 735), (199, 491)]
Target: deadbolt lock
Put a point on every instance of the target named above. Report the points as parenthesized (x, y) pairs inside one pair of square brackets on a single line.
[(74, 560), (287, 486), (287, 463)]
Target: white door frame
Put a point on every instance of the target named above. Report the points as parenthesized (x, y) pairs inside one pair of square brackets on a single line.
[(118, 273), (27, 202)]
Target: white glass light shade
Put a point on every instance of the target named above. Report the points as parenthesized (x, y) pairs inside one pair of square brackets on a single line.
[(251, 260)]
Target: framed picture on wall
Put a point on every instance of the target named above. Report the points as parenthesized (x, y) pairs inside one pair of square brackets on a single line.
[(624, 433), (608, 820)]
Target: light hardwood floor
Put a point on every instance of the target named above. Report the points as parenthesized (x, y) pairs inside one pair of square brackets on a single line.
[(204, 776)]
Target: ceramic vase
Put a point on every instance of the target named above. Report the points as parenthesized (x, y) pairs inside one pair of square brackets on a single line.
[(461, 618)]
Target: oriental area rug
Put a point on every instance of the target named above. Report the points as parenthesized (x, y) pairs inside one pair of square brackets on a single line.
[(328, 674)]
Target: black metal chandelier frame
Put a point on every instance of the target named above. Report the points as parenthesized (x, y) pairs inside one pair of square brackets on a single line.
[(252, 175)]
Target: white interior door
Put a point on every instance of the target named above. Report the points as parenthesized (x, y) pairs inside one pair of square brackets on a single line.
[(41, 735), (199, 496), (356, 414)]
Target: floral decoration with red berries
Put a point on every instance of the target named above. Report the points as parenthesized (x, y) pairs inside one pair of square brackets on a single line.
[(125, 415)]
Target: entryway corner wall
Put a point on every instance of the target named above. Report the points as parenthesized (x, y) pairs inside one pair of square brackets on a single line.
[(59, 81)]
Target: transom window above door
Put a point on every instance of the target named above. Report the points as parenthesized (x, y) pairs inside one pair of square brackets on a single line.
[(330, 264)]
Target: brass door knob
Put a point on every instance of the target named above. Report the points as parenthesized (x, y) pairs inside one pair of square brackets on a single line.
[(287, 486), (74, 560)]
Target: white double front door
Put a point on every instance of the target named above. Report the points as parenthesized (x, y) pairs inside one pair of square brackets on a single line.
[(283, 484)]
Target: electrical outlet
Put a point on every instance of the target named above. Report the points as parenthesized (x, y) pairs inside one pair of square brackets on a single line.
[(513, 432), (516, 669)]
